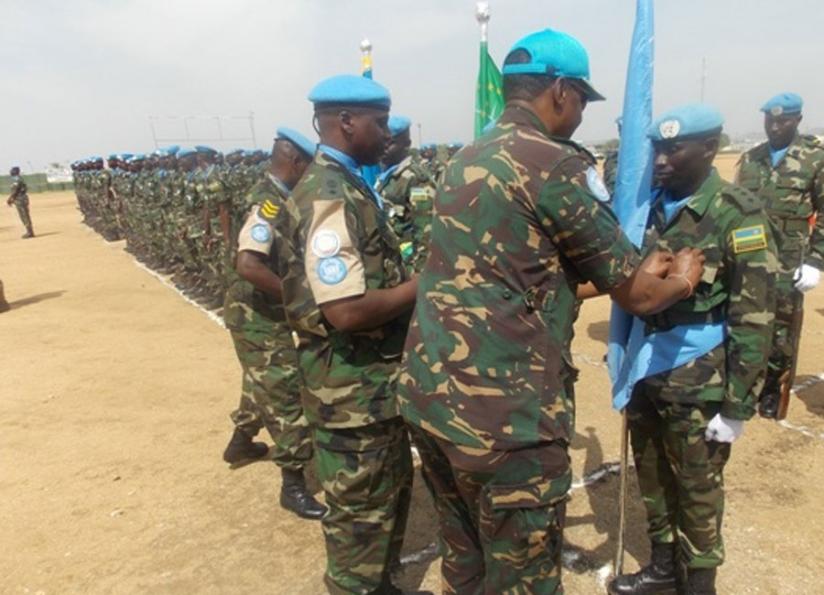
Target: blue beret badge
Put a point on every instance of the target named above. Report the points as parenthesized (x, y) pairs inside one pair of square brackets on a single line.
[(669, 129), (331, 271), (260, 233), (596, 185)]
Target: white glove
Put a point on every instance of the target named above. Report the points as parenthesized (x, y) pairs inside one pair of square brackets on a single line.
[(723, 429), (806, 277)]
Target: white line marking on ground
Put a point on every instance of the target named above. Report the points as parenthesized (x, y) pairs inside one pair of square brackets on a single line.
[(212, 316)]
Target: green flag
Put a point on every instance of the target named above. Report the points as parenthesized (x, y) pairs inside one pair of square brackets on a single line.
[(489, 97)]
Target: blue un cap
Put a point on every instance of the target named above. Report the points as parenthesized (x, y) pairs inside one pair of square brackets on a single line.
[(555, 54), (785, 103), (349, 89), (695, 120), (398, 125), (296, 138)]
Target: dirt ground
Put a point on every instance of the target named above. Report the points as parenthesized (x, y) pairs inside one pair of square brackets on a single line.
[(114, 408)]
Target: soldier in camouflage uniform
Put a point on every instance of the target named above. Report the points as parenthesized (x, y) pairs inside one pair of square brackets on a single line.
[(215, 240), (349, 300), (787, 173), (408, 190), (487, 381), (611, 163), (683, 420), (254, 314), (19, 197)]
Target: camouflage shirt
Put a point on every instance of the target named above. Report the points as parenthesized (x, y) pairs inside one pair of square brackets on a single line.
[(728, 224), (19, 190), (409, 191), (345, 247), (271, 220), (792, 192), (516, 228)]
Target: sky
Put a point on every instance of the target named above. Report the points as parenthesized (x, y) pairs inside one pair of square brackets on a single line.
[(83, 77)]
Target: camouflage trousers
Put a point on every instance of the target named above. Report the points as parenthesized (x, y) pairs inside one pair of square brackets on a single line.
[(680, 475), (22, 206), (366, 474), (501, 515), (782, 355), (271, 394)]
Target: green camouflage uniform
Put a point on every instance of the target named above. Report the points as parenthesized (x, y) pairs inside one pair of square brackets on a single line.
[(215, 198), (20, 199), (792, 194), (611, 170), (362, 447), (488, 376), (680, 473), (409, 191), (270, 395)]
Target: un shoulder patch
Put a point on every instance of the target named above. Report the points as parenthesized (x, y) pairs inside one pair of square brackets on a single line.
[(269, 210), (331, 271), (260, 233), (749, 239), (596, 185)]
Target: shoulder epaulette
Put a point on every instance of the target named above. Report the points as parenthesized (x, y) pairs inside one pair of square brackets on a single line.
[(749, 202)]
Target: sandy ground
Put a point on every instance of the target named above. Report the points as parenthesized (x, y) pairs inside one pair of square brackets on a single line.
[(114, 408)]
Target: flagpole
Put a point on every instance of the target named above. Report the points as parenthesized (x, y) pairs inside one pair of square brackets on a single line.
[(366, 58), (482, 15)]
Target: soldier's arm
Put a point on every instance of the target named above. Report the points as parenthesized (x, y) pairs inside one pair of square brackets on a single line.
[(751, 268), (336, 276), (815, 256), (252, 267), (587, 233), (256, 241)]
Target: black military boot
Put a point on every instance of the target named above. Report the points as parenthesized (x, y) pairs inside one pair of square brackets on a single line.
[(296, 498), (700, 581), (769, 399), (657, 577), (242, 448)]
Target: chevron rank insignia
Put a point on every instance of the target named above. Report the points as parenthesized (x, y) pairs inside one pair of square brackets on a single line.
[(269, 210), (749, 239)]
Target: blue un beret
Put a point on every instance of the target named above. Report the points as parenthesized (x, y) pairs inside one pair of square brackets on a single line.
[(185, 153), (297, 139), (785, 103), (555, 54), (398, 125), (204, 149), (349, 89), (694, 120)]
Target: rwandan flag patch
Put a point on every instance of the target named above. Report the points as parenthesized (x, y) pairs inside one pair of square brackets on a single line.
[(749, 239)]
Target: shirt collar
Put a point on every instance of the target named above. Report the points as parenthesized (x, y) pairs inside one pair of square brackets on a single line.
[(278, 184), (345, 160)]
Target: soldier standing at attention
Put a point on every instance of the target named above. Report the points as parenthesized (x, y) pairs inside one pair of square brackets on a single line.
[(408, 190), (349, 301), (684, 415), (787, 174), (253, 312), (19, 197), (487, 381)]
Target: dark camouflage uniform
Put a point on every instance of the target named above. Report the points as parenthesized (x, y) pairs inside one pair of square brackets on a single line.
[(361, 445), (408, 191), (488, 378), (792, 194), (680, 473), (20, 199), (263, 340), (611, 170)]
